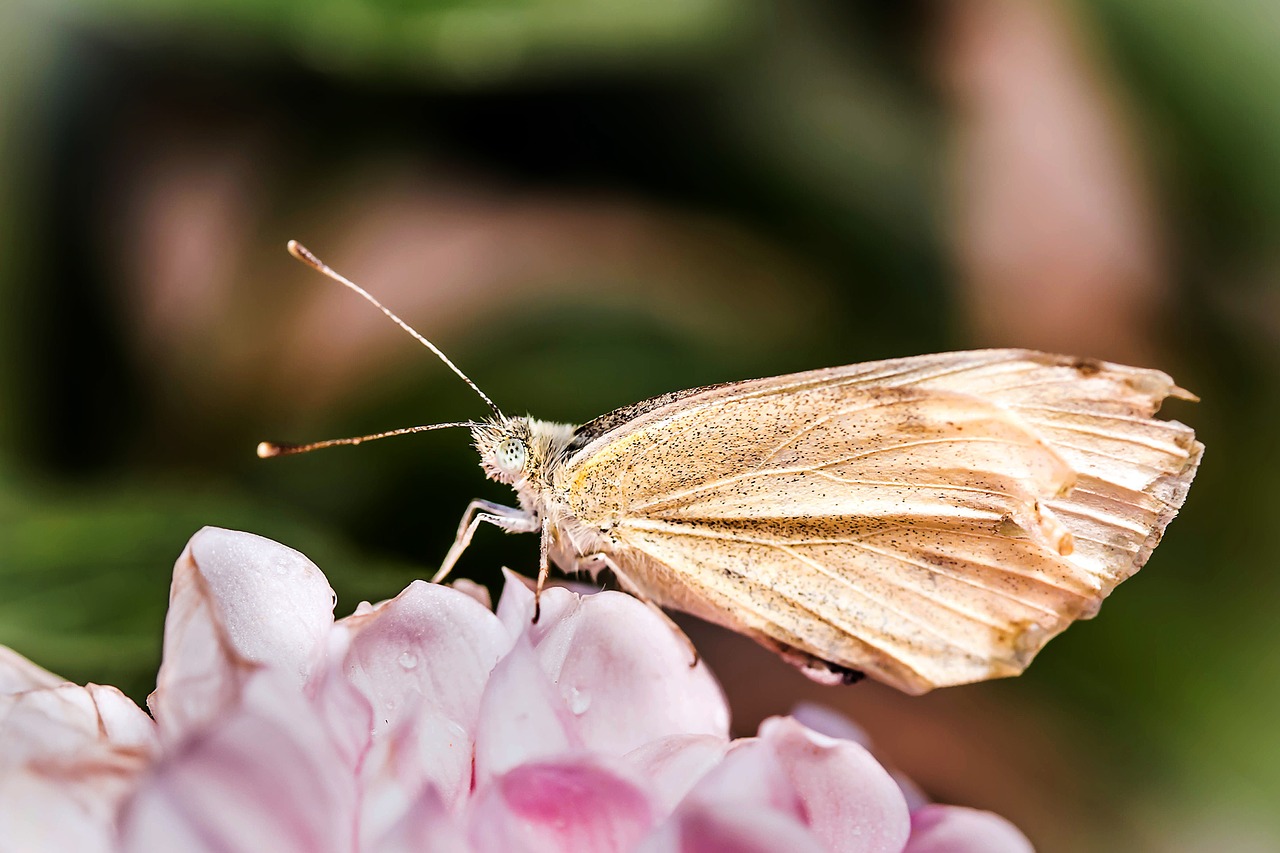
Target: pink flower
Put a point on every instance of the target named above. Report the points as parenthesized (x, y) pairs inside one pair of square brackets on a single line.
[(429, 722)]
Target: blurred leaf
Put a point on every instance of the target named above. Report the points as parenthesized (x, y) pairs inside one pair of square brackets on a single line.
[(448, 41), (84, 578), (1212, 73)]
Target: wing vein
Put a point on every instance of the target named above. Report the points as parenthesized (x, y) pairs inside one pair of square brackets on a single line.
[(1153, 444), (879, 602)]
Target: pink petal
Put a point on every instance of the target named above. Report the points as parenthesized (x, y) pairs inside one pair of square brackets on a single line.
[(430, 643), (672, 766), (426, 824), (831, 723), (564, 806), (746, 802), (750, 777), (18, 674), (265, 776), (954, 829), (620, 667), (515, 606), (851, 801), (477, 591), (346, 713), (68, 756), (238, 602), (522, 717), (725, 828), (422, 661)]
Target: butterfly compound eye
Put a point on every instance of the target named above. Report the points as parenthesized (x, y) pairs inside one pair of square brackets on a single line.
[(510, 455)]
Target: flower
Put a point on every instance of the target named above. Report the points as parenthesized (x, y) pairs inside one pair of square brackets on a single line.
[(431, 722)]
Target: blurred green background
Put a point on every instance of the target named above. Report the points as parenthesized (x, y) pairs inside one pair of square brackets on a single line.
[(587, 202)]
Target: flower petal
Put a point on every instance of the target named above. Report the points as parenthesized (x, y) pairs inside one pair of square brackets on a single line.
[(954, 829), (567, 806), (120, 721), (515, 606), (62, 723), (422, 660), (346, 713), (750, 777), (620, 667), (829, 722), (851, 801), (266, 777), (18, 674), (746, 802), (522, 717), (430, 643), (721, 828), (238, 602), (832, 723), (68, 757), (477, 591), (673, 765), (425, 824)]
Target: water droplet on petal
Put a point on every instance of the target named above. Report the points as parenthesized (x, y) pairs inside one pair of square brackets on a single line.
[(408, 660), (579, 701)]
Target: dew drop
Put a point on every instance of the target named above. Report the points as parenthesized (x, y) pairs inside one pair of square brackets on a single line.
[(408, 660), (579, 701)]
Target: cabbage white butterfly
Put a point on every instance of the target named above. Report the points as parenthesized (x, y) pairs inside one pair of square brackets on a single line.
[(928, 521)]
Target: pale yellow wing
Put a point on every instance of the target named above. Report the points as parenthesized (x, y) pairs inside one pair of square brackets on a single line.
[(931, 520)]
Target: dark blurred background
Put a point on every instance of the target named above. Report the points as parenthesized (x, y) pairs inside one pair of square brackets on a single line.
[(587, 202)]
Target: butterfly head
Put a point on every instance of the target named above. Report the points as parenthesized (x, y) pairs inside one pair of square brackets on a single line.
[(504, 448), (516, 450)]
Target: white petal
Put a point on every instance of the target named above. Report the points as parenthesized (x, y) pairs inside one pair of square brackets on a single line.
[(425, 824), (68, 757), (238, 603), (265, 776), (18, 674)]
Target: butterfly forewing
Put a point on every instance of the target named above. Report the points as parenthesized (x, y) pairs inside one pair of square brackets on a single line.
[(931, 520)]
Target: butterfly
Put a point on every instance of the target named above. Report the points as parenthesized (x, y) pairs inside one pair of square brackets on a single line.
[(928, 521)]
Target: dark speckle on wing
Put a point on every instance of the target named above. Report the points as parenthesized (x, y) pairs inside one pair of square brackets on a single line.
[(593, 429), (1087, 366)]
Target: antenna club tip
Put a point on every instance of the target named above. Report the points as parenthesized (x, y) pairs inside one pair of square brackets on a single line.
[(266, 450), (302, 253)]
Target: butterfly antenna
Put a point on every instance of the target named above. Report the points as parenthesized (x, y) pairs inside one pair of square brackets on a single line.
[(304, 254), (267, 449)]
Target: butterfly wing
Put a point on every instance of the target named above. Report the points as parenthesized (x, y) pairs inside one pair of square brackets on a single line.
[(930, 520)]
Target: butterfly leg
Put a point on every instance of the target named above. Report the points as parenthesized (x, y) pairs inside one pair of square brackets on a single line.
[(594, 562), (544, 567), (509, 518)]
